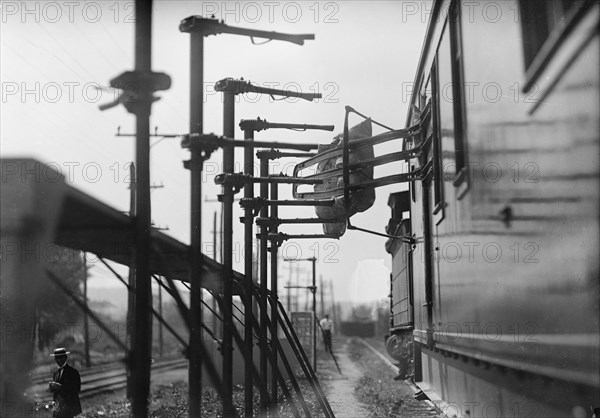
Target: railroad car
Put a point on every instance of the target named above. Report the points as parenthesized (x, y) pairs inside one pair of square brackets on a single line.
[(495, 298)]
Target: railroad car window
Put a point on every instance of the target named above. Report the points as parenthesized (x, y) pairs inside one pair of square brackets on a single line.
[(456, 56), (446, 126), (538, 19), (439, 101), (425, 99), (450, 103)]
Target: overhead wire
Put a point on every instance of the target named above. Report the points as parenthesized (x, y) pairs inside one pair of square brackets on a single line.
[(98, 49), (46, 77), (68, 130), (91, 77), (101, 150), (25, 60), (127, 56)]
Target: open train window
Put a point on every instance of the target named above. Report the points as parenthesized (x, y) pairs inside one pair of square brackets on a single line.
[(456, 62), (418, 112), (450, 104), (544, 24), (538, 19), (439, 102)]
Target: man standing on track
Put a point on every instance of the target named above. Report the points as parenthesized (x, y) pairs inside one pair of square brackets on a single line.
[(65, 385), (327, 326)]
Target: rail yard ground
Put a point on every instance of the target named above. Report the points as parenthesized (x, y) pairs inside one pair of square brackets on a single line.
[(365, 388)]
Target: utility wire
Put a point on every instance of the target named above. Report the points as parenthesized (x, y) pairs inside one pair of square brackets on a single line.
[(114, 41), (91, 77), (99, 50)]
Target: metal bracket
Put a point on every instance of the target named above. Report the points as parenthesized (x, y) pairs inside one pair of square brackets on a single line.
[(346, 169), (200, 147), (218, 141), (279, 237), (278, 221), (361, 143), (212, 26), (209, 142), (312, 289), (254, 203), (155, 134), (274, 154), (255, 125), (233, 86), (271, 154), (259, 124), (268, 222), (240, 179)]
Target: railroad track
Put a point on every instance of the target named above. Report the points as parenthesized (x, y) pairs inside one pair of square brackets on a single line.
[(100, 379)]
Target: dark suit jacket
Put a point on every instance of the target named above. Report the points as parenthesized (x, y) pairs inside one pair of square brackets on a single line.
[(67, 397)]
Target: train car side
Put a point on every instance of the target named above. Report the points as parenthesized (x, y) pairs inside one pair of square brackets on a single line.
[(505, 264)]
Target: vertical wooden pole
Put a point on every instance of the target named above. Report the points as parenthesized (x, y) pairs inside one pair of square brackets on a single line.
[(86, 332), (314, 309), (160, 324), (289, 290), (143, 318), (334, 307), (297, 288), (264, 193), (274, 294), (196, 165), (228, 167), (322, 294), (130, 326), (214, 305), (248, 271)]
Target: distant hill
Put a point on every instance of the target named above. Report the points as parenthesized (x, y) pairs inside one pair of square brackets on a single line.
[(111, 301)]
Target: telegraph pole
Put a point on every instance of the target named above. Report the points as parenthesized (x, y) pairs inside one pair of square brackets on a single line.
[(313, 290), (146, 82), (131, 292), (213, 300), (314, 309), (333, 305), (160, 325), (86, 333), (289, 293), (322, 295)]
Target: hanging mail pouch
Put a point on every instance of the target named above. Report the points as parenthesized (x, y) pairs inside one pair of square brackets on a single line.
[(359, 200), (327, 167)]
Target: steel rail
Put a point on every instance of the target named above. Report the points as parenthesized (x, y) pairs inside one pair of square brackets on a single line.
[(99, 379)]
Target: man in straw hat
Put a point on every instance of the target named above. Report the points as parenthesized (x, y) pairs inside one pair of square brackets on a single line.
[(65, 385)]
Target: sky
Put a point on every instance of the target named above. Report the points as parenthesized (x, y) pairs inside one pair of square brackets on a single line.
[(55, 56)]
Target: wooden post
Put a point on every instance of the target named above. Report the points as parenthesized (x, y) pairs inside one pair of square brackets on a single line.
[(143, 318), (130, 327), (86, 331)]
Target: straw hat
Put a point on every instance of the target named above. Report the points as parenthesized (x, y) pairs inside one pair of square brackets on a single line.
[(60, 352)]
